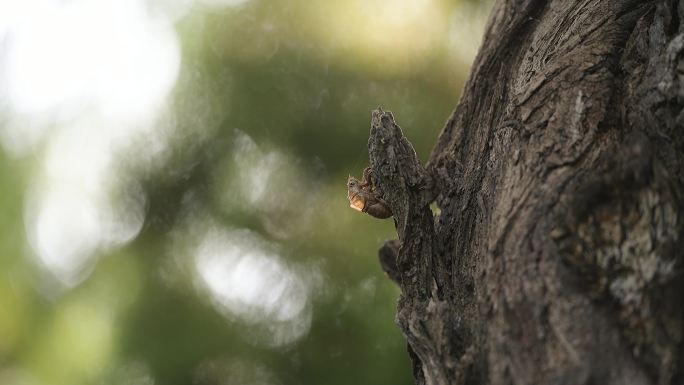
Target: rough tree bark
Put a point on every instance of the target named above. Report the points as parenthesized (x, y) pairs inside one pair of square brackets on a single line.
[(557, 253)]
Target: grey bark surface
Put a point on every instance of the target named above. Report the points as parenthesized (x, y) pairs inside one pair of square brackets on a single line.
[(557, 253)]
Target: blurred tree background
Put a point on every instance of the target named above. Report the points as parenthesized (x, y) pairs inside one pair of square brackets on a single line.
[(174, 202)]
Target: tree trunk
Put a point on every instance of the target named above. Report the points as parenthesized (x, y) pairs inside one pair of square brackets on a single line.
[(557, 255)]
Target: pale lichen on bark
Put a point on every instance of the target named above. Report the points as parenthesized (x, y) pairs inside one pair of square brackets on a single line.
[(623, 235)]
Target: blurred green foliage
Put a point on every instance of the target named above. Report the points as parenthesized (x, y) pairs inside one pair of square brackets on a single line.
[(285, 86)]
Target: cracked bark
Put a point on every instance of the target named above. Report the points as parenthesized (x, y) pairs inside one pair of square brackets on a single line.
[(557, 254)]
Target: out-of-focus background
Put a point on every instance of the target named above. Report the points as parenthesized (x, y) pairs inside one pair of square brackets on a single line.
[(173, 184)]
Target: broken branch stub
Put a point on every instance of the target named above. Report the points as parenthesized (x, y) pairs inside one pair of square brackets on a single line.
[(407, 188)]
